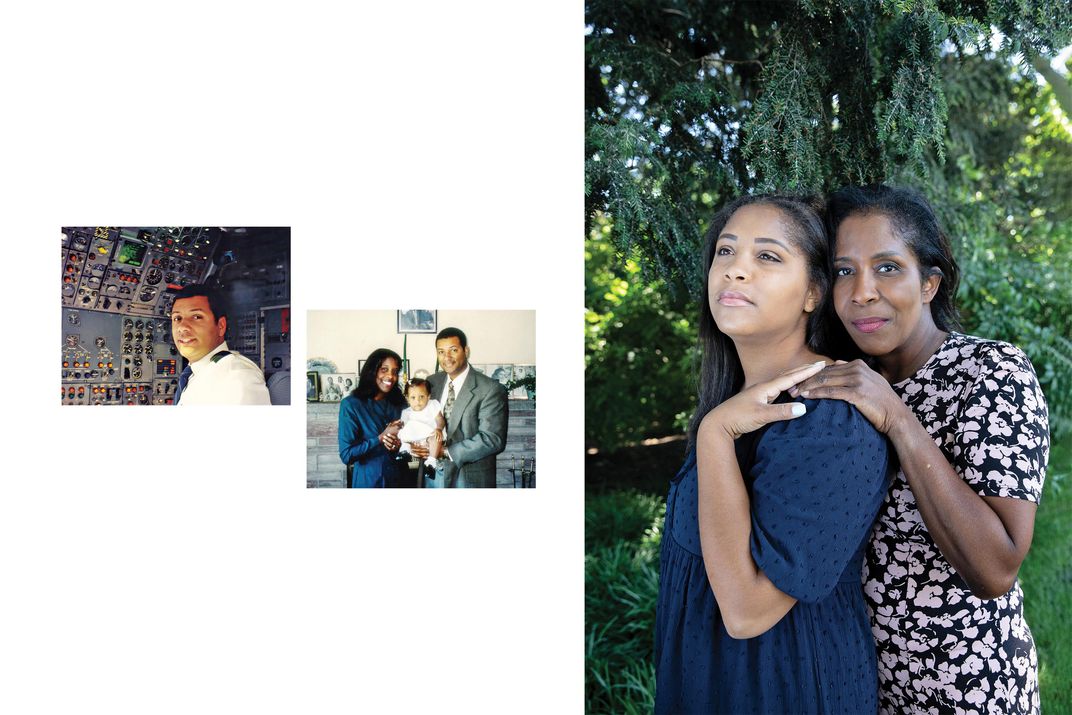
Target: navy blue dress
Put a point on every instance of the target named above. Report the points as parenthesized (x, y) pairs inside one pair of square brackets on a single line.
[(815, 484), (360, 425)]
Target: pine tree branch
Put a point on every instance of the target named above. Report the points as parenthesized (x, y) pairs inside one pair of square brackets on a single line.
[(1062, 88), (707, 60)]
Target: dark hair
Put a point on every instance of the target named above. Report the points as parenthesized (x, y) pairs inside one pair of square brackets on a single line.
[(721, 375), (419, 382), (915, 223), (216, 302), (452, 333), (366, 382)]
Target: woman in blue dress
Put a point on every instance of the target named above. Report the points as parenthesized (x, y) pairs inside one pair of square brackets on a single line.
[(760, 604), (368, 423)]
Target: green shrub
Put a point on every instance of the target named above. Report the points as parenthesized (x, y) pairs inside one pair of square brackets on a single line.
[(621, 516), (1046, 576), (623, 531), (639, 347)]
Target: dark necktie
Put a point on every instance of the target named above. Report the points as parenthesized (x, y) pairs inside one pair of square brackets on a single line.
[(183, 379), (449, 404)]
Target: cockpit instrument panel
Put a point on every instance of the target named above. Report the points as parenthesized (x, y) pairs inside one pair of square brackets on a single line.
[(118, 285)]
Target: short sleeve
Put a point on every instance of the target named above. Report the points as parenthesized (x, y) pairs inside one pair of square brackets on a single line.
[(818, 483), (1002, 439), (434, 406), (244, 385)]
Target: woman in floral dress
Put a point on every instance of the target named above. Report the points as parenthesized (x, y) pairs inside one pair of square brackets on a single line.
[(969, 424)]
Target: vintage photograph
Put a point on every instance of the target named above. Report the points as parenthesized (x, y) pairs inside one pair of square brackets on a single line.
[(175, 316), (335, 386), (501, 373), (416, 321), (522, 384), (419, 414)]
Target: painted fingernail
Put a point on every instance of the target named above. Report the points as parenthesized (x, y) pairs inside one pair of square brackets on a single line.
[(798, 409), (793, 391)]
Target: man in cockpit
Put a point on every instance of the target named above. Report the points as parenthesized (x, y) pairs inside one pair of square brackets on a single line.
[(214, 375)]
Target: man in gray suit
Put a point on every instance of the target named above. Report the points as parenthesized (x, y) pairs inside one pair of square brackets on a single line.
[(475, 408)]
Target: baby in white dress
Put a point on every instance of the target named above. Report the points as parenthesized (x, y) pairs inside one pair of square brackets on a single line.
[(423, 417)]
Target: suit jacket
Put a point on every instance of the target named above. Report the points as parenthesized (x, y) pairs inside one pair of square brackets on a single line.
[(360, 424), (476, 430)]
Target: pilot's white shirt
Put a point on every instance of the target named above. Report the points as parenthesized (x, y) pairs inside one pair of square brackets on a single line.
[(232, 380)]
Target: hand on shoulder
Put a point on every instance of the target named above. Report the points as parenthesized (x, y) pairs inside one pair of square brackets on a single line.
[(856, 383), (751, 409)]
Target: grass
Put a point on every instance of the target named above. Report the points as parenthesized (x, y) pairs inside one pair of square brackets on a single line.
[(1046, 578), (621, 583), (623, 530)]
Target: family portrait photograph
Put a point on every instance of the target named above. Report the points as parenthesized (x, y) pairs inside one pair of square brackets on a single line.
[(828, 259), (421, 411)]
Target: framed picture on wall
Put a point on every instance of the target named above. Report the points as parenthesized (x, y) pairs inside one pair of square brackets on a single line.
[(500, 372), (417, 321), (334, 387), (312, 387), (524, 382)]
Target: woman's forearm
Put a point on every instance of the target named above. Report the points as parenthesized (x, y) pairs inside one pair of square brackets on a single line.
[(750, 603), (985, 541)]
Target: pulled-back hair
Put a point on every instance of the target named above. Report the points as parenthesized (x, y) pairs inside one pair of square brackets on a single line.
[(418, 382), (914, 221), (721, 374)]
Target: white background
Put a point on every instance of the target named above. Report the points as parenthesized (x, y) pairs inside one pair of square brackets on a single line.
[(154, 562)]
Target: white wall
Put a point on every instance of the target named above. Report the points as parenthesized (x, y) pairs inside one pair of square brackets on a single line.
[(495, 336), (283, 598)]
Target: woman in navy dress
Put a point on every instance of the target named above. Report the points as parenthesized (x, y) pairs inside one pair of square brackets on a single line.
[(368, 423), (760, 605)]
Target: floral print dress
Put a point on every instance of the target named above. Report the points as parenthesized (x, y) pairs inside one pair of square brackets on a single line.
[(941, 649)]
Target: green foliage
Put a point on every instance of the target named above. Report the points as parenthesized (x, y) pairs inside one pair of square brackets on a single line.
[(642, 199), (912, 118), (691, 104), (785, 130), (1004, 204), (622, 537), (621, 577), (620, 515), (639, 351), (1044, 577)]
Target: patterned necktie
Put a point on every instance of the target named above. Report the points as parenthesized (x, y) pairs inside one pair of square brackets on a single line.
[(183, 379), (449, 404)]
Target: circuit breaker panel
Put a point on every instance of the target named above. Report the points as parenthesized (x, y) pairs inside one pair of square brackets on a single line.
[(118, 286)]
